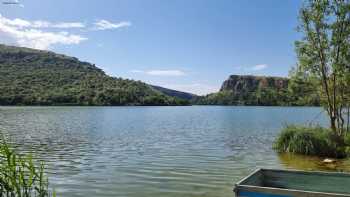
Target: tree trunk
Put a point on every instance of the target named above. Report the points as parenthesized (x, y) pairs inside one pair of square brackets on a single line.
[(333, 124), (348, 120)]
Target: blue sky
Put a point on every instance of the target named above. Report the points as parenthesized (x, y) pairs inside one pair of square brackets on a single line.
[(188, 45)]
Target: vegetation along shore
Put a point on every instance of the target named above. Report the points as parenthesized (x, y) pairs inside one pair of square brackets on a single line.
[(323, 55), (20, 176)]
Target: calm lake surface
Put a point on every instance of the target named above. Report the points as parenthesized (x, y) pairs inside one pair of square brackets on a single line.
[(155, 151)]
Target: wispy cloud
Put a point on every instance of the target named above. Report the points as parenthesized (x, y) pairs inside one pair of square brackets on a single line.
[(259, 67), (250, 69), (105, 25), (21, 23), (137, 71), (166, 73), (68, 25), (27, 33), (14, 2)]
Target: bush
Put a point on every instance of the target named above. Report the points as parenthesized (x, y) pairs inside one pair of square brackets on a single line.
[(19, 176), (316, 141)]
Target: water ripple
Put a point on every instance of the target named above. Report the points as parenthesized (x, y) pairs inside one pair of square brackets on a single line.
[(149, 151)]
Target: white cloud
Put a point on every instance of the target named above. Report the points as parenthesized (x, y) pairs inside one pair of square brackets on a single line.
[(14, 2), (136, 71), (41, 34), (60, 25), (105, 25), (251, 69), (68, 25), (20, 23), (26, 33), (259, 67), (166, 73), (15, 22)]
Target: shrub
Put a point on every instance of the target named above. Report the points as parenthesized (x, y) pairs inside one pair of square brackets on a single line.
[(19, 176), (309, 141)]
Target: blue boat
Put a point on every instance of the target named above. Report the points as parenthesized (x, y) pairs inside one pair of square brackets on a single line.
[(288, 183)]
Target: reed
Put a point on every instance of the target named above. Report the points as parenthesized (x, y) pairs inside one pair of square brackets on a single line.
[(19, 176), (316, 141)]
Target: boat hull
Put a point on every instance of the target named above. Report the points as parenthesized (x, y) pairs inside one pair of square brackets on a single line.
[(287, 183)]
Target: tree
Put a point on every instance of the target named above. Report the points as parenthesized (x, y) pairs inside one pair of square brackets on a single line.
[(303, 89), (324, 55)]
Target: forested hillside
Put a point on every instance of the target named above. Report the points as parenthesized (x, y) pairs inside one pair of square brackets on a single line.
[(34, 77)]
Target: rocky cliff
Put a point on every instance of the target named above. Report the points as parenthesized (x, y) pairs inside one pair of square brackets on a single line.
[(249, 90), (248, 83)]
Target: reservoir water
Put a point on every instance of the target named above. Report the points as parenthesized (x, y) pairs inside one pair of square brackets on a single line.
[(155, 151)]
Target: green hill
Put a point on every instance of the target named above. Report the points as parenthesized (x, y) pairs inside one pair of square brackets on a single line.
[(35, 77)]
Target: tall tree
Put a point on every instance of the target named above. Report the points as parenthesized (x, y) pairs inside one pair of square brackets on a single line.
[(323, 53)]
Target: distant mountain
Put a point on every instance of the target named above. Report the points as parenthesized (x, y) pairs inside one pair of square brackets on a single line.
[(249, 90), (36, 77), (175, 93)]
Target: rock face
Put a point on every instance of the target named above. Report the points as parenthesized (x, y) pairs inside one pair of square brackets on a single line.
[(241, 84), (249, 90)]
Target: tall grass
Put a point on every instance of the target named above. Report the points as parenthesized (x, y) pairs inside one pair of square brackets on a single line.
[(309, 141), (19, 176)]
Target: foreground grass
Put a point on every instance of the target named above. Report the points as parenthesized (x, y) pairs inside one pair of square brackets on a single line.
[(316, 141), (19, 176)]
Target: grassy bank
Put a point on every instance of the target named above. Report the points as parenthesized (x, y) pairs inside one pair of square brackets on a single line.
[(20, 176), (316, 141)]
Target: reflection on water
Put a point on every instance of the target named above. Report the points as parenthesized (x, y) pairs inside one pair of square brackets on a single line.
[(301, 162), (153, 151)]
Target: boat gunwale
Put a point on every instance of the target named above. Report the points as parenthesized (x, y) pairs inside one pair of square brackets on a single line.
[(281, 191)]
